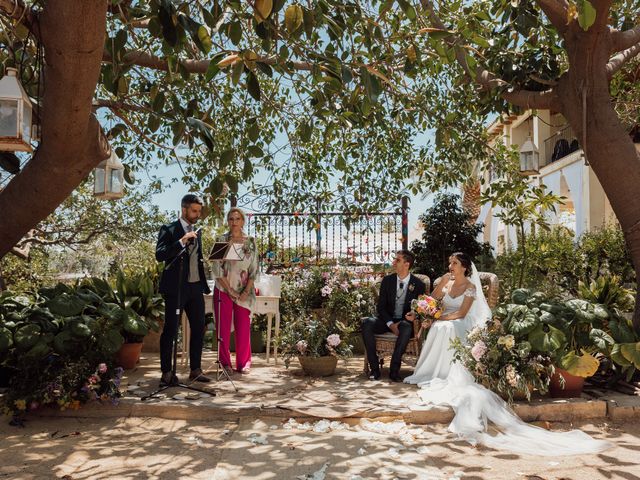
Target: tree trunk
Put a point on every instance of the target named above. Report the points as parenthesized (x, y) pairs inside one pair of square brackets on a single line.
[(605, 141), (72, 34)]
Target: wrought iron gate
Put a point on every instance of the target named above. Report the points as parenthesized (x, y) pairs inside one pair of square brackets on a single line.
[(303, 237)]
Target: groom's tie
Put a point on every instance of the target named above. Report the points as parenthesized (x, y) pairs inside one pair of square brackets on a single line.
[(192, 242)]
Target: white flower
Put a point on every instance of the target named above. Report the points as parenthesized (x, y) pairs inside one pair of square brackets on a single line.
[(333, 340), (326, 291), (301, 346), (475, 331), (512, 376)]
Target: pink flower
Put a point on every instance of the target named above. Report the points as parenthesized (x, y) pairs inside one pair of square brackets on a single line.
[(93, 379), (326, 291), (478, 350), (333, 340), (301, 346), (102, 368)]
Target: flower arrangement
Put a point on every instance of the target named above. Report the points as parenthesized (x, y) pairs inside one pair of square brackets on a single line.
[(61, 384), (309, 336), (503, 363)]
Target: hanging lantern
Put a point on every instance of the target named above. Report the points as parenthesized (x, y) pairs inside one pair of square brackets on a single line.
[(109, 179), (15, 114), (529, 158)]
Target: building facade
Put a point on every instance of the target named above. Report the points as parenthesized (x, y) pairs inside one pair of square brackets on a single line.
[(562, 170)]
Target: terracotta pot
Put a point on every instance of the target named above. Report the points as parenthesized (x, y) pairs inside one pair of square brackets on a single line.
[(319, 366), (128, 355), (572, 385), (151, 341)]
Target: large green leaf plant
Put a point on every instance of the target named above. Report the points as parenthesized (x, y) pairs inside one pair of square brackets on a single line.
[(572, 332)]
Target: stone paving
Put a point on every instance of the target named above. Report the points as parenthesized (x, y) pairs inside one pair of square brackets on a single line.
[(274, 391)]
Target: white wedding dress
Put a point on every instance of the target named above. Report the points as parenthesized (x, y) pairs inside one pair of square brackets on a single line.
[(445, 382), (436, 357)]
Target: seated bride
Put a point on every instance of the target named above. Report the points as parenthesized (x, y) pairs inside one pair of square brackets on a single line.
[(457, 293), (443, 381)]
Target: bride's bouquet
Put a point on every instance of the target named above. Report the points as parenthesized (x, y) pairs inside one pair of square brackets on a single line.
[(427, 309)]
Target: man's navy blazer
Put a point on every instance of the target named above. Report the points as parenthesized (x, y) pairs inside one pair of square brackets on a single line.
[(388, 291), (167, 248)]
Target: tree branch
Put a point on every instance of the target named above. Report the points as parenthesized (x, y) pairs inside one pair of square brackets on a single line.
[(143, 59), (137, 130), (529, 99), (625, 39), (557, 11), (618, 61), (17, 10), (602, 7), (115, 105)]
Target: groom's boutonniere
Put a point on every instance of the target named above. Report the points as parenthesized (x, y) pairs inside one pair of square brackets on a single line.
[(411, 287)]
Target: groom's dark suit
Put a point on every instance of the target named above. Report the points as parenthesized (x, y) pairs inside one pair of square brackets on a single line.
[(191, 299), (371, 327)]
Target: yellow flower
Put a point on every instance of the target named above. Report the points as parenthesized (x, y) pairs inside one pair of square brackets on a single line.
[(437, 315), (508, 341), (21, 404)]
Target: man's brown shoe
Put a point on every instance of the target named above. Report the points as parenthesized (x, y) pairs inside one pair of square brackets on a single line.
[(197, 376)]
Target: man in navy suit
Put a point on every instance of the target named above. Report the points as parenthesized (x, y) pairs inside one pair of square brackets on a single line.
[(182, 292), (396, 293)]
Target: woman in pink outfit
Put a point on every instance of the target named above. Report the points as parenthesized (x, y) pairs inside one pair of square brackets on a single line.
[(235, 292)]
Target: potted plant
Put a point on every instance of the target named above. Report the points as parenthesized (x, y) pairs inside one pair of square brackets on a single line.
[(566, 331), (316, 343), (133, 307)]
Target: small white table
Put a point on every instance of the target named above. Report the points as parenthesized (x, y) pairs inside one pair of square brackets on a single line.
[(269, 306)]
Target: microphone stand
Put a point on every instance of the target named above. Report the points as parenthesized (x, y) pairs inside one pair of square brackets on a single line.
[(220, 372), (179, 311)]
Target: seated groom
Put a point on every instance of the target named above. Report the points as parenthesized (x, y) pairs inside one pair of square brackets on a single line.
[(396, 292)]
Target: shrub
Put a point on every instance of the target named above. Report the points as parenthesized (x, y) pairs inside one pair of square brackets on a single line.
[(447, 229), (558, 262)]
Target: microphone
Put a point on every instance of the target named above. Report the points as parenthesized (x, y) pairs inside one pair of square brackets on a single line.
[(196, 231)]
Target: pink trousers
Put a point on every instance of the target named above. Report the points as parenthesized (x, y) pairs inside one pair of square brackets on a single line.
[(240, 316)]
